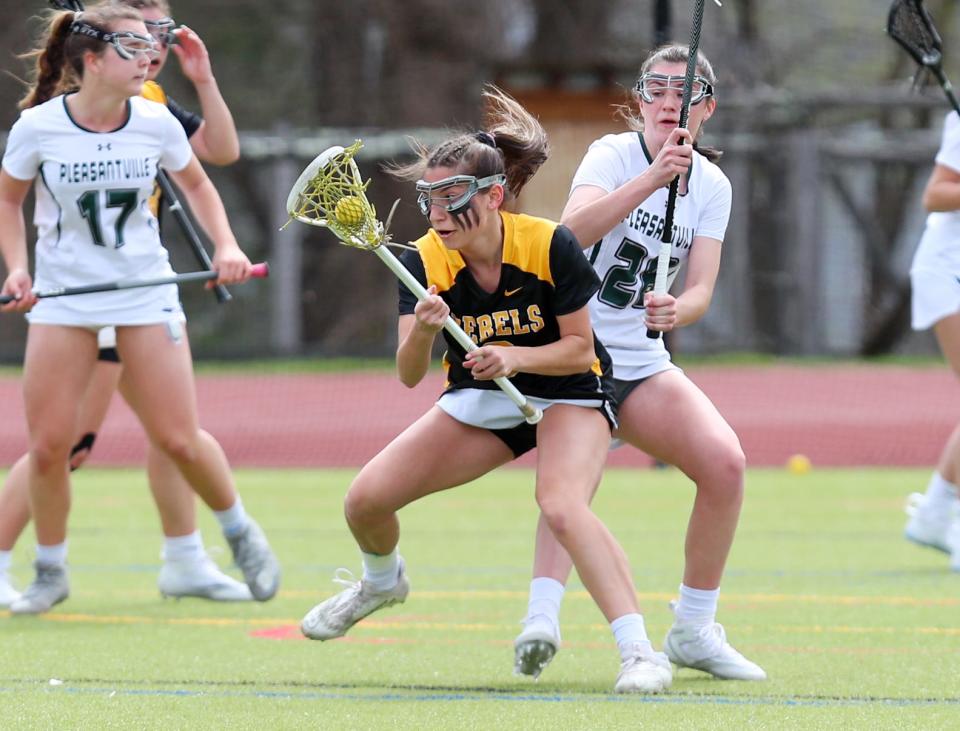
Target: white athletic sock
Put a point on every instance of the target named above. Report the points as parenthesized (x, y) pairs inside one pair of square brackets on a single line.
[(183, 548), (545, 597), (52, 555), (630, 631), (940, 494), (234, 519), (381, 572), (697, 606), (6, 558)]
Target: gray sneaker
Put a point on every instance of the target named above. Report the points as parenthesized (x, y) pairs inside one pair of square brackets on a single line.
[(253, 556), (535, 646), (332, 618), (50, 587)]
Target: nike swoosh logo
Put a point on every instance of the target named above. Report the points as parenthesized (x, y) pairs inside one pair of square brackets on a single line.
[(511, 292)]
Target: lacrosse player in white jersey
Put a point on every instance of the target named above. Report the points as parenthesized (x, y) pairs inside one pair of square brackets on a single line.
[(187, 570), (935, 278), (616, 210), (94, 154)]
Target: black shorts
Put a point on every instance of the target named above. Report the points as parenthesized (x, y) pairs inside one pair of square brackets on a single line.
[(108, 355), (520, 439), (622, 389), (523, 437)]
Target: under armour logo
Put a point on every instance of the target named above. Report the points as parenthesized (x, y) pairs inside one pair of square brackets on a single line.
[(101, 146)]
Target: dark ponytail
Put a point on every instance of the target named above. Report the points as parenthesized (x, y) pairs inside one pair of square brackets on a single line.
[(512, 142), (50, 62), (58, 60)]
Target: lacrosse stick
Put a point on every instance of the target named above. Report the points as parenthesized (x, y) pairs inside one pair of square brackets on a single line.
[(910, 25), (331, 194), (666, 239), (178, 211), (257, 271)]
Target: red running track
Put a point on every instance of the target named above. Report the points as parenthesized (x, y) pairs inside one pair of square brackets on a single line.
[(847, 415)]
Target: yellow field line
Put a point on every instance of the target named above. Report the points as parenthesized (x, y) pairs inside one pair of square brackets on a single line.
[(852, 601)]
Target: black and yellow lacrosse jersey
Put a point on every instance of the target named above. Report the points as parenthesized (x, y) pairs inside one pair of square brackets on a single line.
[(544, 275), (190, 122)]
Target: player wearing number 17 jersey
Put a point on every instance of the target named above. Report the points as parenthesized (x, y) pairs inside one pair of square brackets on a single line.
[(93, 216), (92, 154), (616, 210)]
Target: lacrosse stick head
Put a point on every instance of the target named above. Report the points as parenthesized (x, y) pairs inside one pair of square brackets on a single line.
[(910, 25), (330, 193)]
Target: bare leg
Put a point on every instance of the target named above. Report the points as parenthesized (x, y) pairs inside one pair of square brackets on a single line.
[(572, 447), (714, 461), (947, 331), (15, 503), (415, 464), (158, 384), (52, 395)]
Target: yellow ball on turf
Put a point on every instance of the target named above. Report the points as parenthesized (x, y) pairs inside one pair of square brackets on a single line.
[(799, 464), (349, 211)]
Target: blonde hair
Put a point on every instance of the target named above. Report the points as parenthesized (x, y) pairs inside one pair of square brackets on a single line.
[(58, 59), (512, 142), (671, 53)]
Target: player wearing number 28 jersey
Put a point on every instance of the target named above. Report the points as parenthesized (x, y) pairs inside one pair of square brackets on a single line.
[(626, 257), (616, 210), (93, 218)]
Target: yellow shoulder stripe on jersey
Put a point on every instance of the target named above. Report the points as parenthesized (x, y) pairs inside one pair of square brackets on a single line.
[(152, 91), (441, 264), (526, 243)]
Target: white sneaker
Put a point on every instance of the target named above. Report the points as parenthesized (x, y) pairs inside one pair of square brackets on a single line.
[(535, 646), (200, 577), (333, 617), (8, 595), (953, 538), (256, 561), (926, 527), (644, 671), (705, 647), (51, 586)]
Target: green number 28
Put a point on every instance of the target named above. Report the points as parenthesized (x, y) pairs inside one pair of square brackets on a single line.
[(624, 282), (89, 204)]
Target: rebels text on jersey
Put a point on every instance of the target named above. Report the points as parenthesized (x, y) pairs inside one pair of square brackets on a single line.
[(543, 276)]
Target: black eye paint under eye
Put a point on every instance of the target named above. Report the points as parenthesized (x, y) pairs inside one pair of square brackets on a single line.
[(466, 218)]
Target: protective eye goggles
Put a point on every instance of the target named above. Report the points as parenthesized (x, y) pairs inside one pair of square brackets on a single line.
[(127, 44), (454, 203), (162, 30), (654, 86)]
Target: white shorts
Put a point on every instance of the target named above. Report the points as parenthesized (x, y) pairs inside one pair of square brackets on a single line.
[(141, 306), (493, 409), (107, 336), (662, 363), (935, 295)]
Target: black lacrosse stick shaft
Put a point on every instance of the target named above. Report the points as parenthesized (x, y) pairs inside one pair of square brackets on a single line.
[(193, 238), (694, 48)]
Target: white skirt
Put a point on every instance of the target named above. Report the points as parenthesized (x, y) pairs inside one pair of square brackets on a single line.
[(493, 409)]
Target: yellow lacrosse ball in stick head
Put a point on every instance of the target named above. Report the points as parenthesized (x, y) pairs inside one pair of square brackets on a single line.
[(349, 211)]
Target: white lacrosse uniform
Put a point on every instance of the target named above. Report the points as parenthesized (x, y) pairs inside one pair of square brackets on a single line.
[(93, 218), (626, 258), (935, 271)]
